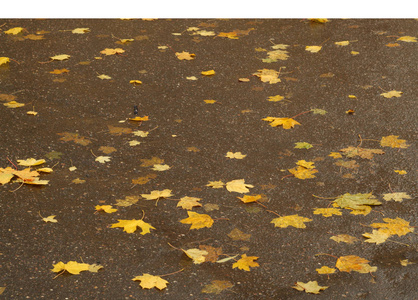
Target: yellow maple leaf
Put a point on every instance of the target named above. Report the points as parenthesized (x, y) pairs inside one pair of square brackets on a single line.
[(268, 75), (354, 263), (103, 76), (50, 219), (216, 184), (4, 60), (342, 43), (377, 236), (6, 175), (293, 220), (327, 212), (106, 208), (231, 35), (391, 94), (275, 98), (26, 174), (155, 195), (188, 202), (302, 172), (249, 199), (148, 281), (135, 82), (185, 55), (208, 73), (14, 31), (311, 287), (306, 164), (72, 267), (237, 155), (37, 181), (238, 186), (59, 71), (109, 51), (210, 101), (286, 122), (152, 161), (313, 49), (102, 159), (398, 197), (80, 30), (401, 172), (160, 167), (60, 57), (408, 39), (344, 238), (394, 226), (335, 155), (197, 255), (130, 226), (393, 142), (326, 270), (198, 220), (30, 162), (128, 201), (13, 104), (245, 262)]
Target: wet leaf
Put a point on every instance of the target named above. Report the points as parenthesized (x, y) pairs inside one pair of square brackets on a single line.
[(107, 150), (103, 76), (362, 152), (313, 49), (238, 186), (393, 142), (30, 162), (210, 101), (61, 71), (275, 55), (109, 51), (303, 145), (245, 262), (377, 237), (60, 57), (401, 172), (404, 262), (293, 220), (319, 20), (68, 136), (128, 201), (249, 199), (136, 82), (344, 238), (398, 197), (303, 172), (155, 195), (198, 221), (217, 286), (268, 75), (78, 181), (148, 281), (287, 123), (131, 226), (231, 35), (213, 253), (189, 202), (4, 60), (72, 267), (197, 255), (358, 203), (94, 268), (208, 73), (106, 208), (80, 30), (103, 159), (6, 175), (152, 161), (327, 212), (391, 94), (311, 287), (237, 155), (408, 39), (238, 235), (354, 263), (50, 219), (335, 155), (326, 270), (275, 98), (160, 167), (13, 104), (14, 30), (140, 133), (185, 55), (342, 43), (396, 226)]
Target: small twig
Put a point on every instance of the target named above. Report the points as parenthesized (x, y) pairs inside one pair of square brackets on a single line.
[(305, 112), (397, 242), (93, 153), (173, 247), (171, 49), (221, 219), (59, 274), (361, 141), (18, 187), (318, 254), (12, 163), (390, 188), (323, 197), (172, 273), (274, 212), (153, 129), (143, 214)]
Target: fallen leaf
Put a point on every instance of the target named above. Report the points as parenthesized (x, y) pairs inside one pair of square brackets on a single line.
[(135, 82), (13, 104), (245, 262), (106, 208), (68, 136), (198, 221), (109, 51), (78, 181), (326, 270), (327, 212), (140, 133), (398, 197), (359, 203), (14, 30), (148, 281), (319, 20), (342, 43), (303, 173), (243, 79), (268, 75), (107, 150), (30, 162), (204, 33), (231, 35), (103, 76), (6, 97), (189, 202), (396, 226), (160, 167), (344, 238), (210, 101), (362, 152), (155, 195), (152, 161), (408, 39), (293, 220), (237, 155), (238, 235), (335, 155), (60, 57), (128, 201), (185, 55), (249, 199), (102, 159), (208, 73), (94, 268), (134, 143), (303, 145), (377, 236), (4, 60), (216, 184), (311, 287), (392, 45), (45, 170), (404, 262), (216, 287), (393, 142), (50, 219), (72, 168), (72, 267), (197, 255), (354, 263), (80, 30), (210, 207), (31, 112), (313, 49), (401, 172), (287, 123), (275, 98), (351, 164), (191, 78), (354, 52), (6, 175), (57, 71), (130, 226), (238, 186), (275, 55), (391, 94)]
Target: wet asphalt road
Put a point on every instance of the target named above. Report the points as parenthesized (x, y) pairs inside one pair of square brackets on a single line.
[(193, 137)]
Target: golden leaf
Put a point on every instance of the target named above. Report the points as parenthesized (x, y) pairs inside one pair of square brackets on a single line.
[(45, 170), (78, 181), (342, 43), (303, 173), (72, 267), (198, 220), (5, 175), (106, 208), (210, 101), (102, 159), (135, 82), (118, 130), (398, 197), (109, 51), (391, 94), (401, 172), (160, 167), (152, 161), (327, 212), (286, 122), (408, 39), (4, 60), (357, 201), (248, 199), (197, 255), (103, 76), (394, 226), (60, 57), (275, 98), (354, 263), (80, 30), (326, 270), (362, 152), (216, 184), (68, 136), (344, 238), (238, 186), (377, 236), (245, 262), (231, 35), (50, 219), (393, 142), (208, 73), (309, 287), (319, 20), (13, 104), (128, 201), (293, 220), (155, 195), (185, 55), (313, 49), (188, 202), (57, 71), (130, 226), (14, 31), (268, 75), (148, 281), (31, 162), (217, 286), (238, 235), (237, 155), (107, 150), (275, 55)]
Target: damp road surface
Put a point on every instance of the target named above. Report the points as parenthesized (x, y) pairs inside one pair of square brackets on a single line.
[(353, 96)]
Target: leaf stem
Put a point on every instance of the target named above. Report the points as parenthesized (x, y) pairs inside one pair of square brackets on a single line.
[(172, 273), (305, 112)]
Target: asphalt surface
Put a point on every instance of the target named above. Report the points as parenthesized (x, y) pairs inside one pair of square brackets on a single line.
[(193, 137)]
